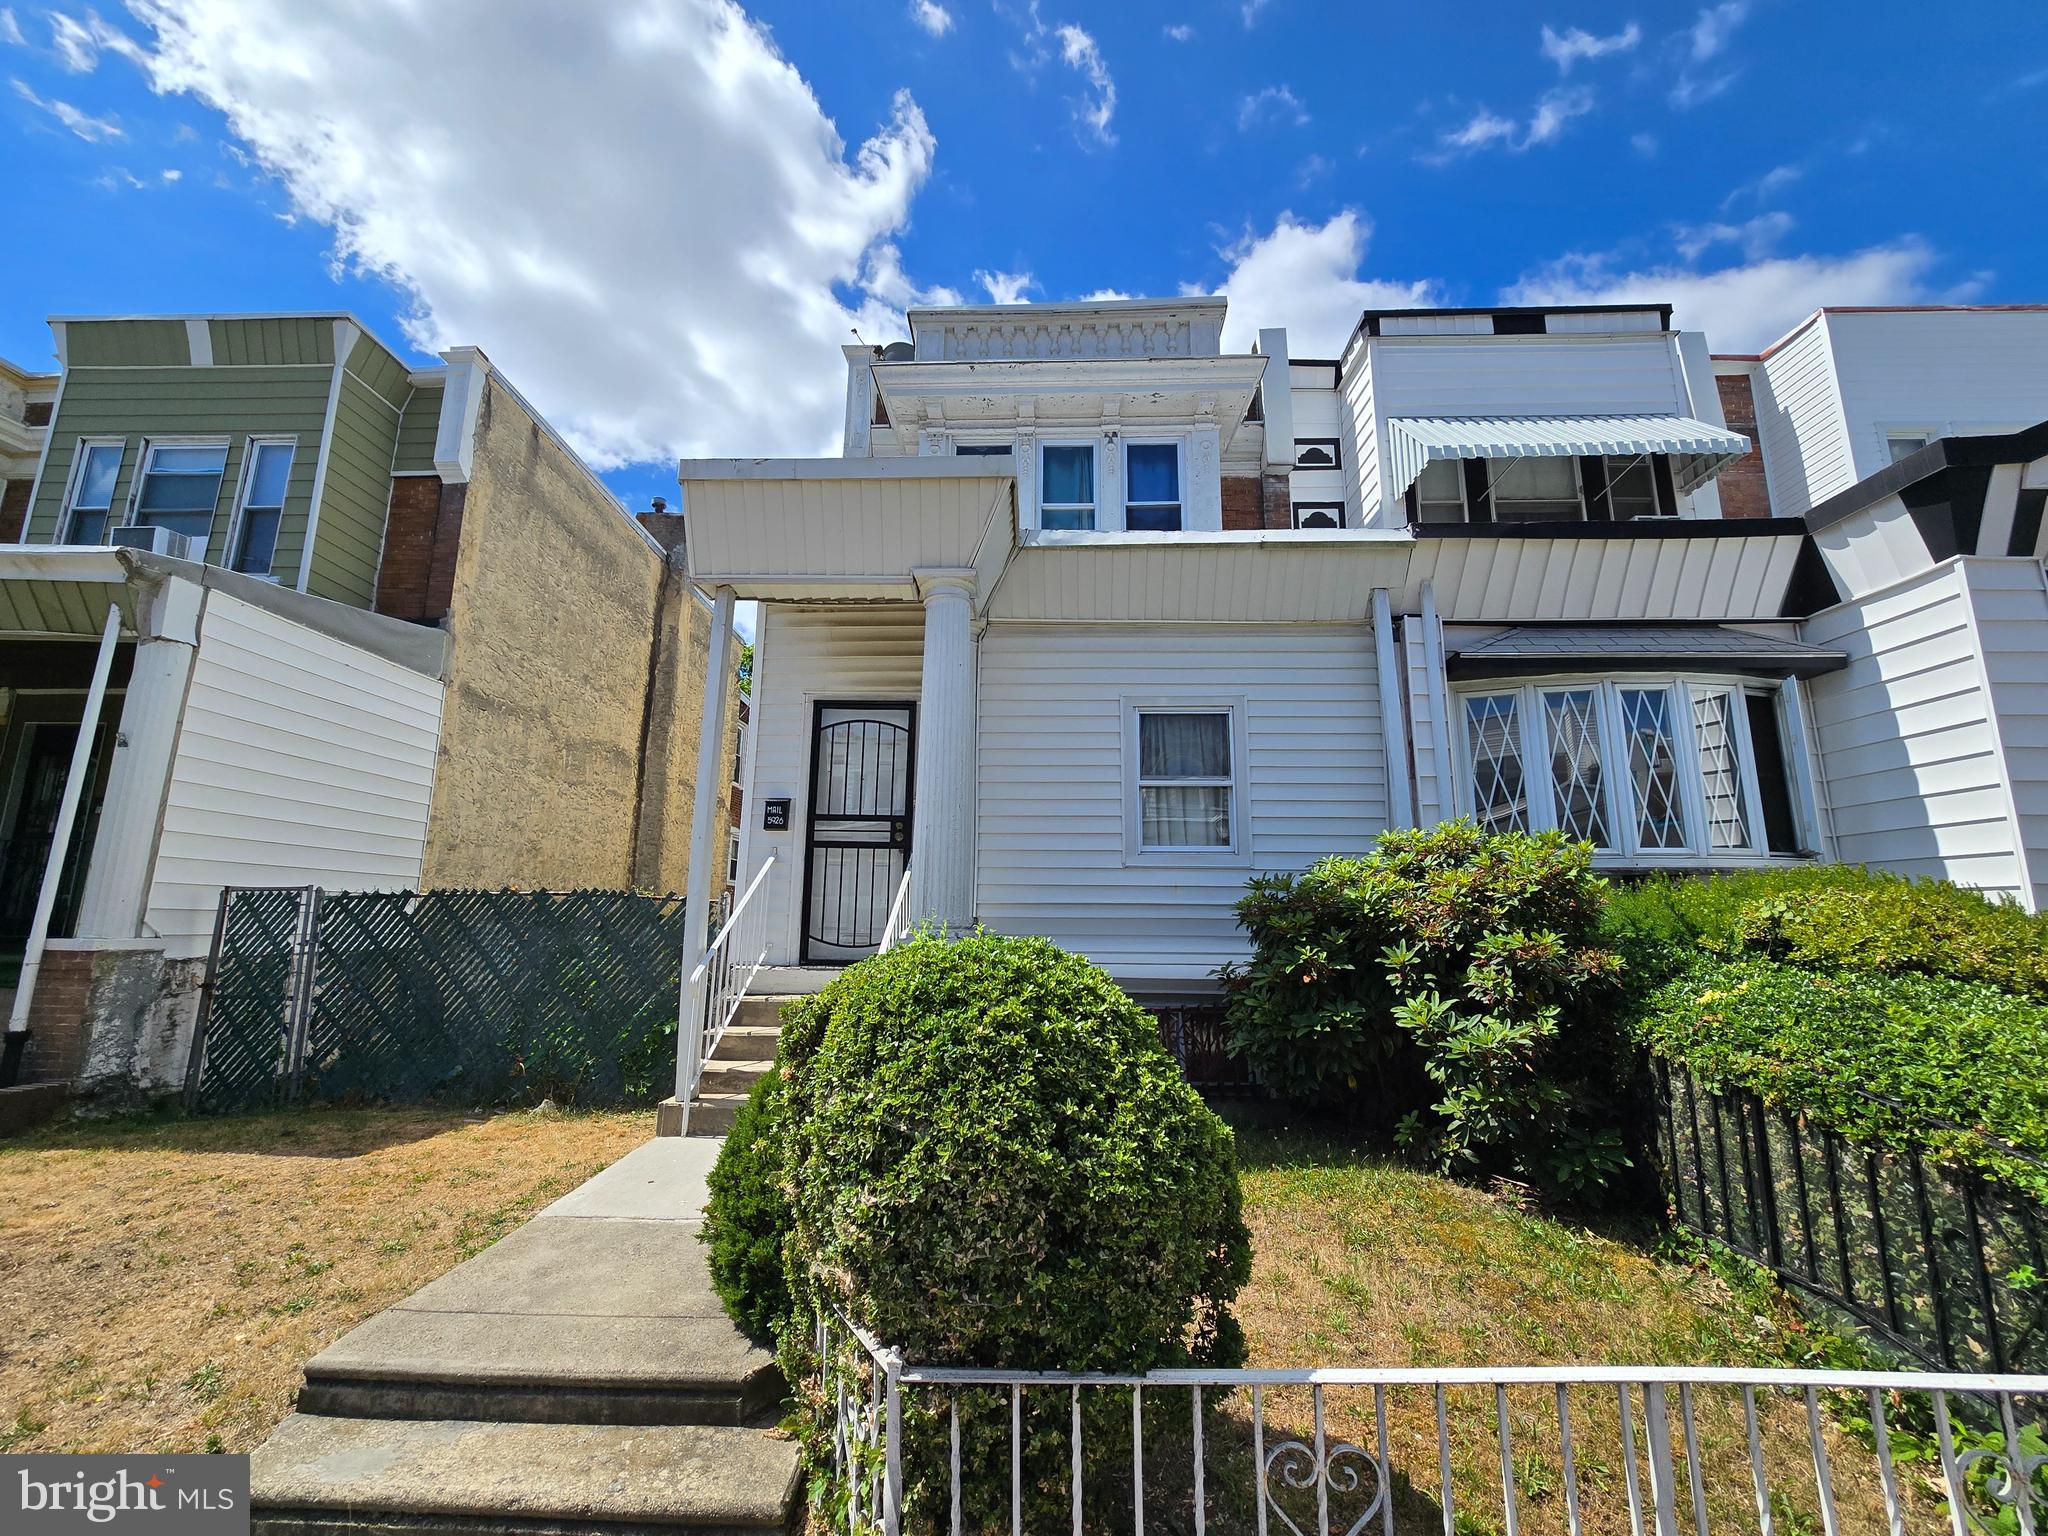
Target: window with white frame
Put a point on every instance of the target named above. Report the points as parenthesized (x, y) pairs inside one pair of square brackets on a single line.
[(1440, 492), (1152, 487), (92, 492), (1066, 485), (1659, 769), (1185, 779), (1904, 442), (180, 486), (265, 476)]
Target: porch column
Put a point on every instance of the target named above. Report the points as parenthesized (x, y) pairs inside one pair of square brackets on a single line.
[(942, 819), (709, 789), (124, 849), (67, 815)]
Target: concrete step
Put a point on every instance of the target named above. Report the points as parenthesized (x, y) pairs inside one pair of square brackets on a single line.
[(761, 1011), (452, 1476), (711, 1114), (29, 1104), (748, 1042), (584, 1322), (723, 1076)]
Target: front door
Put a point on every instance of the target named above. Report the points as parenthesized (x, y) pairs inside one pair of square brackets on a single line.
[(858, 843)]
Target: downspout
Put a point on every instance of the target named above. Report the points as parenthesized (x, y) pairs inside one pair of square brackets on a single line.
[(67, 815)]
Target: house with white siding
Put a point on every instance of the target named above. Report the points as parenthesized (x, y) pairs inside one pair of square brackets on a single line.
[(1093, 620), (279, 608), (1914, 442)]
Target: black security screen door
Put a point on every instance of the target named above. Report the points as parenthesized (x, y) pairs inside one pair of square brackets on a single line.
[(862, 759)]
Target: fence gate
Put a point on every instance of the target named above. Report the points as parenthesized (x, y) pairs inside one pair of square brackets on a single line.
[(250, 1041)]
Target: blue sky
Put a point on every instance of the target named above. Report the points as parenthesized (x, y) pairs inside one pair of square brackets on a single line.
[(663, 217)]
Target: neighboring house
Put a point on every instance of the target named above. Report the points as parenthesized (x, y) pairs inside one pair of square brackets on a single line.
[(360, 625), (1092, 620), (25, 400), (1915, 444)]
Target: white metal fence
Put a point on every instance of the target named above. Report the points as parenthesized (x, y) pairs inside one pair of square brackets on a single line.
[(1634, 1451)]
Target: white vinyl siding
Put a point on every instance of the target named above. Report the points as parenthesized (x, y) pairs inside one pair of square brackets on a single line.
[(2009, 601), (802, 655), (1909, 759), (1052, 852), (301, 760), (1799, 418)]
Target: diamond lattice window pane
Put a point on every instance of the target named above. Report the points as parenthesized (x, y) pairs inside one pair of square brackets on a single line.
[(1721, 771), (1500, 801), (1573, 715), (1653, 767)]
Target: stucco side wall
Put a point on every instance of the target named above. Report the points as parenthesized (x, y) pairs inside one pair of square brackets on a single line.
[(675, 716), (554, 619)]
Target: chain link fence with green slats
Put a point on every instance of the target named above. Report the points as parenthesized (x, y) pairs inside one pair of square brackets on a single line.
[(463, 997)]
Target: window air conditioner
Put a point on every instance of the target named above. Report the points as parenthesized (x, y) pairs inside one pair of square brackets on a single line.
[(158, 541)]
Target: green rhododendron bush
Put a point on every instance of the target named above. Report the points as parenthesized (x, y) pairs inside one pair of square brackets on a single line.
[(1451, 988)]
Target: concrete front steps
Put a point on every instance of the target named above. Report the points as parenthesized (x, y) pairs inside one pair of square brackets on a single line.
[(577, 1378), (747, 1050)]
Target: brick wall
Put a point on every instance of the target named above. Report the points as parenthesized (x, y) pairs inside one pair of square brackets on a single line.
[(422, 535), (1742, 487), (1257, 501), (14, 509), (57, 1017), (665, 528)]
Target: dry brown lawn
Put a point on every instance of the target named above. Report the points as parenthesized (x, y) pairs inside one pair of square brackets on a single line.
[(161, 1282)]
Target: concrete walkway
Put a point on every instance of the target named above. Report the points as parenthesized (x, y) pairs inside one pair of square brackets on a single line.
[(578, 1372)]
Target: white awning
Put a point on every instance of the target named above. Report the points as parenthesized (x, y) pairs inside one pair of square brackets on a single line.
[(1698, 450)]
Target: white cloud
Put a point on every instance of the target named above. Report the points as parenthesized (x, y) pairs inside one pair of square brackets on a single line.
[(1306, 277), (1006, 287), (1105, 295), (670, 268), (1277, 103), (1564, 49), (1757, 237), (10, 29), (80, 43), (94, 130), (882, 278), (1746, 307), (1179, 32), (171, 174), (1486, 129), (1250, 10), (931, 16), (1644, 144), (1701, 43), (1765, 187), (1094, 111)]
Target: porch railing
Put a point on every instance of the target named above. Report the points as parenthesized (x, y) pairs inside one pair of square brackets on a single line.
[(1650, 1450), (720, 980), (897, 926)]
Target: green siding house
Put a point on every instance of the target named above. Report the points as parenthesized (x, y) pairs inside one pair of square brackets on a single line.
[(269, 441)]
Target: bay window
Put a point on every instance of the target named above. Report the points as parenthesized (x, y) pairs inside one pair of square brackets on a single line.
[(262, 509), (1656, 769), (92, 492), (180, 487)]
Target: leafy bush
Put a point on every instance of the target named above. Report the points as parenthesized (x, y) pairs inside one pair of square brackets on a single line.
[(747, 1218), (1941, 1050), (994, 1162), (1829, 919), (1451, 982)]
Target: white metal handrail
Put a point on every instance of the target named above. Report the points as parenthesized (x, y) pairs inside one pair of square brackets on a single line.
[(720, 980), (1547, 1429), (893, 930)]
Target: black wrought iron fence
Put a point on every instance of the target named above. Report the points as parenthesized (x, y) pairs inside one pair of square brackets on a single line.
[(471, 997), (1947, 1264)]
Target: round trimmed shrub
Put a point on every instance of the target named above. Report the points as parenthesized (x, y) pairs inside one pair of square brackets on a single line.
[(997, 1162), (747, 1218)]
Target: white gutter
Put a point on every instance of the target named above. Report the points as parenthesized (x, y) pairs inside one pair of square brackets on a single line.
[(67, 815)]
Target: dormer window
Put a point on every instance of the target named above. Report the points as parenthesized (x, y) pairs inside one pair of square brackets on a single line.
[(1066, 480), (1152, 487)]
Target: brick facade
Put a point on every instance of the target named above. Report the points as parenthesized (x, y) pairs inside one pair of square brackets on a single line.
[(1257, 501), (665, 528), (57, 1017), (1742, 486), (422, 534), (14, 509)]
